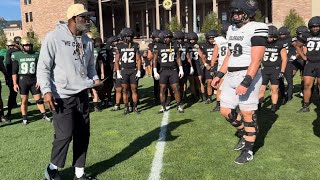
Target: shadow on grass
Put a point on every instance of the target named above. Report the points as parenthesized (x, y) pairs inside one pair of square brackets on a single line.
[(316, 123), (16, 118), (133, 148), (266, 119)]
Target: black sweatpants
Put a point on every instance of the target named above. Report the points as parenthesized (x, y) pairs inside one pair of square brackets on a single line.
[(71, 122)]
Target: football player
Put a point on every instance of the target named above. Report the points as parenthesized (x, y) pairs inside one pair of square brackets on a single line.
[(168, 57), (186, 62), (247, 40), (197, 64), (206, 51), (128, 53), (292, 66), (156, 86), (312, 68), (274, 65), (24, 65), (222, 46)]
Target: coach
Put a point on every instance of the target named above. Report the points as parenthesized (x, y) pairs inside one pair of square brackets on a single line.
[(65, 71)]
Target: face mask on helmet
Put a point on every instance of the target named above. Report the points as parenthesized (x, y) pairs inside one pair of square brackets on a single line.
[(314, 25), (27, 48), (239, 17), (167, 40)]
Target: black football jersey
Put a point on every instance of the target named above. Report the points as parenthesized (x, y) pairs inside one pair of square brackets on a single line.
[(183, 50), (272, 55), (107, 54), (194, 55), (207, 50), (291, 50), (313, 46), (167, 54), (128, 54)]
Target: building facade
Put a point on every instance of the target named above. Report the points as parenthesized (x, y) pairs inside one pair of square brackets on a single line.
[(12, 31), (143, 16)]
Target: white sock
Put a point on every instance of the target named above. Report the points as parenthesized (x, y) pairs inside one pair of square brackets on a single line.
[(52, 166), (79, 172)]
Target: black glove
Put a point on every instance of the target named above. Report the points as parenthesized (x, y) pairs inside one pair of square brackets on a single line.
[(280, 76)]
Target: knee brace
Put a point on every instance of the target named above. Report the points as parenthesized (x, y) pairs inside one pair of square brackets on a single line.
[(232, 118), (40, 101), (253, 124)]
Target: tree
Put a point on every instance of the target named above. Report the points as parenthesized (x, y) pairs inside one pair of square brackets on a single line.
[(34, 39), (174, 25), (94, 31), (3, 39), (258, 17), (293, 20), (211, 22)]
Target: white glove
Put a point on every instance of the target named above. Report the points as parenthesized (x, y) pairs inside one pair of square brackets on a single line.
[(293, 57), (181, 74), (119, 74), (138, 75), (156, 75), (191, 70)]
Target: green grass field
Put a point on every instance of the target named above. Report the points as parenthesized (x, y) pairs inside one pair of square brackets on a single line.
[(199, 144)]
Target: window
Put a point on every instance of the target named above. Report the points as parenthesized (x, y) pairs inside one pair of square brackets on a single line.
[(29, 1), (25, 2), (30, 16), (27, 19)]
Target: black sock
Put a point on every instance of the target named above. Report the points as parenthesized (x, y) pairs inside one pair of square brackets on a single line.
[(241, 132), (24, 117), (127, 106), (178, 104), (210, 97), (218, 103), (248, 145), (305, 104), (95, 104), (135, 105), (163, 104)]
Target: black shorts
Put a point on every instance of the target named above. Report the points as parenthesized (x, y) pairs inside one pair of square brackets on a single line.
[(117, 83), (298, 64), (270, 74), (147, 63), (312, 69), (198, 70), (28, 83), (186, 70), (129, 76), (169, 77), (208, 74)]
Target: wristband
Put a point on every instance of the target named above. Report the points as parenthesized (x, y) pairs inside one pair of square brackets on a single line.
[(220, 74), (205, 64), (155, 70), (180, 68), (246, 81)]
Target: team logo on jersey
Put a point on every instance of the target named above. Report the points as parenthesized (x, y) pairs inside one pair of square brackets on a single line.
[(251, 3)]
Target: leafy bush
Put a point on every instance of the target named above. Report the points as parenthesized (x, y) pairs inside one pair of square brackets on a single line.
[(34, 40), (292, 21), (258, 17), (174, 25), (94, 31), (211, 22), (3, 40)]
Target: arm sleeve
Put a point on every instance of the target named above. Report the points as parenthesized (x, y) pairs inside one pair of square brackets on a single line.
[(92, 73), (45, 63), (15, 67)]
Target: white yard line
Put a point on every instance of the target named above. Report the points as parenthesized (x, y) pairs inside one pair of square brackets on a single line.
[(158, 157)]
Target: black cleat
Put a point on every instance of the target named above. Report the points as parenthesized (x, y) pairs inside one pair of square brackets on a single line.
[(5, 119), (303, 109), (97, 109), (126, 111), (135, 110), (180, 109), (51, 174), (216, 109), (240, 145), (116, 108), (162, 110), (84, 177), (208, 101), (244, 157)]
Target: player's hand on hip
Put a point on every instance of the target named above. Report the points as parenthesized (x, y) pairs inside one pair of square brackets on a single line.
[(215, 82), (241, 90), (49, 101)]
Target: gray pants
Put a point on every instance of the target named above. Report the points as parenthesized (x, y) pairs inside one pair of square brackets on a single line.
[(71, 122), (229, 98)]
